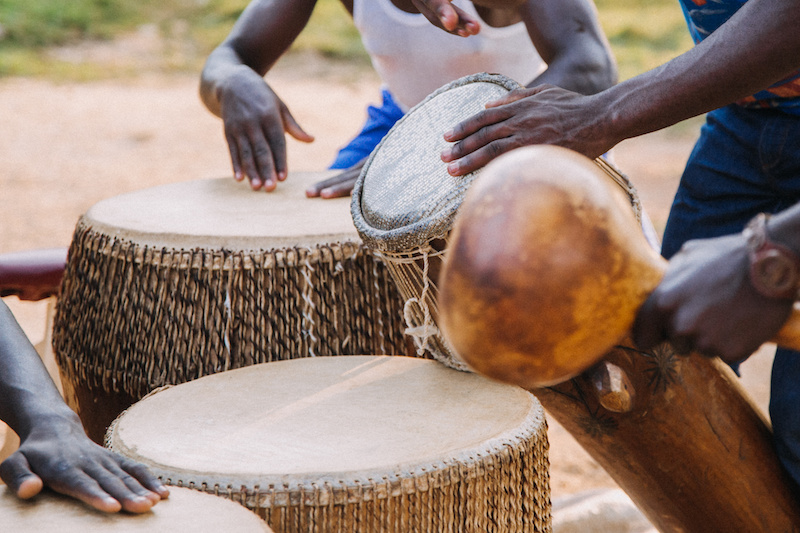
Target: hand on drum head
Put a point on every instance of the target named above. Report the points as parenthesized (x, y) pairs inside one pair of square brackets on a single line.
[(542, 115), (339, 185), (256, 121), (444, 15), (60, 455), (706, 303)]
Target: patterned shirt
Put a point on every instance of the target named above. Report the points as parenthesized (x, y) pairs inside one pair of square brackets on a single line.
[(705, 16)]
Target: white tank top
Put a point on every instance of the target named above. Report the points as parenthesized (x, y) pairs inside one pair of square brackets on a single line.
[(414, 58)]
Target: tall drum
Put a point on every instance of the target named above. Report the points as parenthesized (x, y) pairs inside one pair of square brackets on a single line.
[(352, 443), (175, 282)]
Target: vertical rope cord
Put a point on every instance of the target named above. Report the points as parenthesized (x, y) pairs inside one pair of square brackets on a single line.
[(309, 307), (379, 308), (422, 333)]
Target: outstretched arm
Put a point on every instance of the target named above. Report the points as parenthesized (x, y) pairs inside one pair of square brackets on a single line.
[(757, 47), (233, 88), (707, 301), (54, 450)]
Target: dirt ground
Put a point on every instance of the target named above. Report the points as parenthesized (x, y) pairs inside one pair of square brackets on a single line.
[(65, 146)]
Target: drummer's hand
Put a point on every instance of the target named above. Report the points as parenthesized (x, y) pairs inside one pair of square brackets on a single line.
[(255, 121), (339, 185), (60, 455), (542, 115), (706, 303), (444, 15)]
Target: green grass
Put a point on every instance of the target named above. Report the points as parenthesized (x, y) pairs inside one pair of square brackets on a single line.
[(643, 33)]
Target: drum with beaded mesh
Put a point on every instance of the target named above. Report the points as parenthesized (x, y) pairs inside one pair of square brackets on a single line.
[(184, 510), (167, 284), (404, 201), (351, 443)]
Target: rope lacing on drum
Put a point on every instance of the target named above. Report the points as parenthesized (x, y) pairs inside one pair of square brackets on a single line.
[(309, 307), (420, 333), (379, 310)]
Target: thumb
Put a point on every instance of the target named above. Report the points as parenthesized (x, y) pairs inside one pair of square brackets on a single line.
[(648, 327), (292, 127), (17, 474)]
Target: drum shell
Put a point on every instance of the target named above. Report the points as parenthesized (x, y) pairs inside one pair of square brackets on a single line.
[(134, 316), (475, 480)]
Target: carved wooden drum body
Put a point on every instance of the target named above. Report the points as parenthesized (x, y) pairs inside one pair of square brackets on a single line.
[(351, 443), (184, 510), (175, 282)]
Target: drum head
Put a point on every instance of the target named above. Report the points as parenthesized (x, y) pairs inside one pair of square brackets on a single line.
[(404, 196), (308, 422), (184, 510), (215, 214)]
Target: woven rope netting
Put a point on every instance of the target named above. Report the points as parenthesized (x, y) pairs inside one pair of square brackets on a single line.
[(132, 318)]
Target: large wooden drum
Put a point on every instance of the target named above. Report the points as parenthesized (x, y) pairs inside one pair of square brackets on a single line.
[(179, 281), (184, 510), (352, 443)]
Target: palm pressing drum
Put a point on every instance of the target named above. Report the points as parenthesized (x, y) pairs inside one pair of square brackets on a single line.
[(404, 201), (352, 443), (171, 283)]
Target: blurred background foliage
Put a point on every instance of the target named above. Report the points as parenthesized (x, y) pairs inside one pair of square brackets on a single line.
[(65, 39)]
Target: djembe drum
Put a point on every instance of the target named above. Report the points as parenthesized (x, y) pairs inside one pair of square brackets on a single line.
[(184, 510), (175, 282), (404, 212), (677, 433), (351, 443)]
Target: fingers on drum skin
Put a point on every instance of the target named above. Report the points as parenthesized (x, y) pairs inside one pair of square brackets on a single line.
[(17, 474), (109, 484), (144, 477), (274, 158), (233, 149)]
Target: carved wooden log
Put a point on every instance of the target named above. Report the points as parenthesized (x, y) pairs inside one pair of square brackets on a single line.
[(693, 452), (545, 272)]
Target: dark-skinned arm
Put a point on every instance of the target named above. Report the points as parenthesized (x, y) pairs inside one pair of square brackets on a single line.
[(568, 36), (233, 88), (757, 47), (54, 449), (706, 301)]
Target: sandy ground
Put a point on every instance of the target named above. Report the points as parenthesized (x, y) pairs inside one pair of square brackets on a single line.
[(64, 147)]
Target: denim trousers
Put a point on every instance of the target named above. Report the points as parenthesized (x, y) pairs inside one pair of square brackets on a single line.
[(746, 161)]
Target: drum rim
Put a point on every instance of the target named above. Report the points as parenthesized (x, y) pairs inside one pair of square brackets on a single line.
[(423, 231), (274, 489)]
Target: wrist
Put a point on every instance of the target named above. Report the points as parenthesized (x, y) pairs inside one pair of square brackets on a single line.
[(49, 421), (774, 267)]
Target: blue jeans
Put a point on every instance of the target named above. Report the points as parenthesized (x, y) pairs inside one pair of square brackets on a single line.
[(745, 162)]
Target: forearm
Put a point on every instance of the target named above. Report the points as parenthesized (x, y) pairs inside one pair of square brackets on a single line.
[(785, 228), (261, 35), (569, 38), (757, 47), (220, 68), (28, 395)]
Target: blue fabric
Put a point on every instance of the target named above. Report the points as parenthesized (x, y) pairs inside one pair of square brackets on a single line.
[(704, 17), (746, 161), (379, 121)]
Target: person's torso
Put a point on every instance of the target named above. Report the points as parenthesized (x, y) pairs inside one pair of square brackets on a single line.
[(705, 16), (414, 58)]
